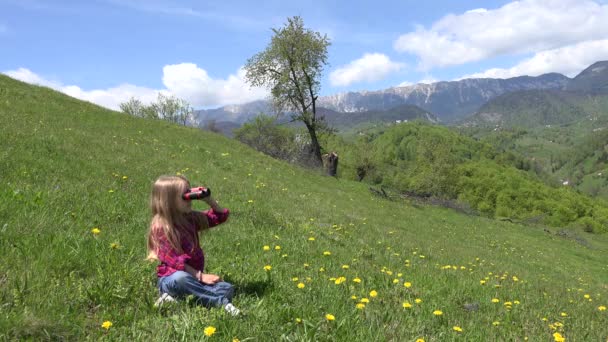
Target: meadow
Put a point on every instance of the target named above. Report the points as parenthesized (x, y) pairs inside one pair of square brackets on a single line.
[(313, 258)]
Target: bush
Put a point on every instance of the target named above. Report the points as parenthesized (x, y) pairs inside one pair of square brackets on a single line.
[(263, 134)]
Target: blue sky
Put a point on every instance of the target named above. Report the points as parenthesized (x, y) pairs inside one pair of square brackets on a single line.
[(107, 50)]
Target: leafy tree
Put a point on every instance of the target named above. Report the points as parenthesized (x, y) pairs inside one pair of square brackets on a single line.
[(171, 108), (133, 107), (291, 66), (166, 107)]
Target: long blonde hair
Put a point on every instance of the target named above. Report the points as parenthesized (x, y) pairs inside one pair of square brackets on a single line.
[(167, 215)]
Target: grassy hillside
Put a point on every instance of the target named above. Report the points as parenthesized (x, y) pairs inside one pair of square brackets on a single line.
[(430, 160), (67, 167)]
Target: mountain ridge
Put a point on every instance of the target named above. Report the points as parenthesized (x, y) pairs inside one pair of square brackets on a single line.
[(448, 100)]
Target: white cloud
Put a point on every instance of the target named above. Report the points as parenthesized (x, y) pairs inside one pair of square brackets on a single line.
[(193, 84), (186, 81), (569, 60), (526, 26), (28, 76), (371, 67), (477, 10)]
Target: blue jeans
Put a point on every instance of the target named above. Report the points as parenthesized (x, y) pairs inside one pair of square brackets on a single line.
[(181, 284)]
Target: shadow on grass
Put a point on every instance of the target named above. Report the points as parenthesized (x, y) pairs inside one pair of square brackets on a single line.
[(253, 288)]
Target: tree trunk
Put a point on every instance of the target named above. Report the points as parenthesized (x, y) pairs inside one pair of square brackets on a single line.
[(316, 148), (330, 163)]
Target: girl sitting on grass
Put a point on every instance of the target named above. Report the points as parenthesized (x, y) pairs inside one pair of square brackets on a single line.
[(173, 240)]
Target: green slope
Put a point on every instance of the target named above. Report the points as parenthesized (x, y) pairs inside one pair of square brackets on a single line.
[(530, 108), (67, 167), (573, 151), (346, 122)]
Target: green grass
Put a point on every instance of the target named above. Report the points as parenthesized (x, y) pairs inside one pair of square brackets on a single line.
[(67, 167)]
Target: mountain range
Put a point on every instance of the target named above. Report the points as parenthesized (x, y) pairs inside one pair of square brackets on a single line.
[(582, 98), (448, 101)]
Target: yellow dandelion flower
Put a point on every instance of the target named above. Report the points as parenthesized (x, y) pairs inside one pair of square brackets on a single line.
[(495, 300), (340, 280), (345, 267), (277, 248), (418, 300), (321, 269), (125, 177), (266, 248), (407, 305), (95, 231), (395, 281), (301, 285), (298, 320), (311, 238), (360, 306), (330, 317), (327, 253), (482, 282), (209, 331), (373, 293), (306, 265), (399, 275), (250, 201), (106, 325), (437, 312), (601, 308), (357, 280), (516, 302), (353, 297), (267, 268), (558, 337), (457, 328), (236, 340), (563, 314), (496, 323), (407, 284), (586, 296), (295, 279), (507, 304), (364, 300), (515, 279), (419, 340), (114, 245)]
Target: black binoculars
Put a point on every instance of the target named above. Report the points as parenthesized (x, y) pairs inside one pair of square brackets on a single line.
[(196, 193)]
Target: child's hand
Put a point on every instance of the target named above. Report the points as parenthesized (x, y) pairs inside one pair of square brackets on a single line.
[(208, 279)]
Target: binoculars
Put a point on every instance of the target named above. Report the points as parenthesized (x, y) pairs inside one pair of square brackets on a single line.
[(196, 193)]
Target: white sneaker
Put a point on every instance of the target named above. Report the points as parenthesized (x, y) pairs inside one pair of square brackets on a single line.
[(231, 309), (164, 298)]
